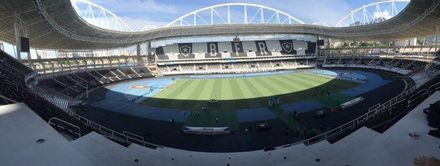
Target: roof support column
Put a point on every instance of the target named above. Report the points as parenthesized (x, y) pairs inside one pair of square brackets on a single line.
[(20, 31), (138, 54), (316, 51), (138, 50), (150, 55), (17, 37)]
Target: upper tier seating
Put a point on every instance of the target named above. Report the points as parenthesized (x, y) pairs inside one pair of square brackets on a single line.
[(401, 66), (237, 67)]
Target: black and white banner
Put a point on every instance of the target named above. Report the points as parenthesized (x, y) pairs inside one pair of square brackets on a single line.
[(237, 49), (311, 48), (161, 54), (262, 49), (212, 50), (185, 51), (287, 47)]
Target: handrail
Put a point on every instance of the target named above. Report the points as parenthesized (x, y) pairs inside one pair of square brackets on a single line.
[(8, 99), (378, 108), (350, 124), (107, 132), (78, 133), (128, 137)]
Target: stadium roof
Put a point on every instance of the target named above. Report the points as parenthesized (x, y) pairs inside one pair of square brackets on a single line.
[(54, 24)]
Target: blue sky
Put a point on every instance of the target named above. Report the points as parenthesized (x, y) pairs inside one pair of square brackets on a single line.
[(139, 13)]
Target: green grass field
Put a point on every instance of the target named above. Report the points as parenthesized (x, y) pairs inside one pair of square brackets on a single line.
[(241, 88), (247, 92)]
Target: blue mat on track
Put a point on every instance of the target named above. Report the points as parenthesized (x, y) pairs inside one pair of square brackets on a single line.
[(257, 114), (373, 81), (302, 106)]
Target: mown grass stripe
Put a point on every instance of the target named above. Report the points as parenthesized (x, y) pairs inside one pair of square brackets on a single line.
[(216, 91), (260, 86), (283, 83), (206, 90), (304, 83), (227, 89), (293, 82), (316, 80), (236, 92), (174, 91), (170, 93), (269, 85), (251, 85), (185, 93)]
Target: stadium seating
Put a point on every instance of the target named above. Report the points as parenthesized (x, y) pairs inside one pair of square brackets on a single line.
[(242, 67), (14, 88), (401, 66), (434, 116), (73, 84)]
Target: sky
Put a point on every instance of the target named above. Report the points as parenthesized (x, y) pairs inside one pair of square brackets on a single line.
[(156, 13), (139, 14)]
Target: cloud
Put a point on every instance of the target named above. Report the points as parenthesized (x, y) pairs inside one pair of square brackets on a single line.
[(138, 24), (126, 7), (156, 13), (311, 11)]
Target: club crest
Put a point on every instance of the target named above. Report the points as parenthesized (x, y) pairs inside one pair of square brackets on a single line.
[(185, 50), (287, 46)]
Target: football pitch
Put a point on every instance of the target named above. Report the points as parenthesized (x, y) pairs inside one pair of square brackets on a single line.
[(250, 92)]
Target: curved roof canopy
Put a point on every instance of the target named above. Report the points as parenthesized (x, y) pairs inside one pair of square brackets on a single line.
[(54, 24)]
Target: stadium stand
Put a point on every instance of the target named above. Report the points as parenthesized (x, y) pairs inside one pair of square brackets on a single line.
[(237, 67), (235, 57), (75, 83), (247, 49), (16, 88), (22, 86), (389, 130), (433, 117), (402, 66)]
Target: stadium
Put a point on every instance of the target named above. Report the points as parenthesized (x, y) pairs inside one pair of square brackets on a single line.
[(231, 83)]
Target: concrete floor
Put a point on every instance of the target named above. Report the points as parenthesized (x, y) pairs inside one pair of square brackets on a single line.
[(20, 128)]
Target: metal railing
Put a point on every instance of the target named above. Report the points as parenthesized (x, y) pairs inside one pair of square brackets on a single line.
[(8, 99), (128, 137), (57, 122), (123, 136), (359, 121), (372, 112)]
